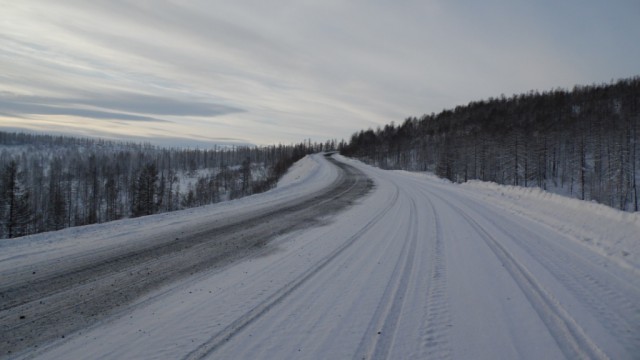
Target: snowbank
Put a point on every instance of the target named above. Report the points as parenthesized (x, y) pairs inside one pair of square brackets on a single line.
[(608, 231), (305, 177)]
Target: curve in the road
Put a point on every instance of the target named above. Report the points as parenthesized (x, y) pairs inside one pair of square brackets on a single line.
[(70, 298), (418, 269), (226, 334)]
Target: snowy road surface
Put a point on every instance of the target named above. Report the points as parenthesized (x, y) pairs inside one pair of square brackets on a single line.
[(47, 299), (416, 269)]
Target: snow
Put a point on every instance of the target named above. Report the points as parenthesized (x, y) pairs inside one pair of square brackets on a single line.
[(301, 171), (419, 268), (306, 177), (608, 231), (611, 232)]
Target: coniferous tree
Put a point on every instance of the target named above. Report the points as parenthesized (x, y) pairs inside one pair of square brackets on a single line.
[(246, 176), (64, 182), (582, 142), (15, 212), (145, 193), (57, 205)]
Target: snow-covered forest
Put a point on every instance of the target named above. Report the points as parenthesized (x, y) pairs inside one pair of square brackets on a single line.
[(582, 143), (54, 182)]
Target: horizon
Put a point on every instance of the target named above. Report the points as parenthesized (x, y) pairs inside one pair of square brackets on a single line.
[(198, 73), (176, 142)]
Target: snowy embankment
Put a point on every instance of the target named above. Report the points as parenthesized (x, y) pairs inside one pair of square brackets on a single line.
[(611, 232), (305, 177)]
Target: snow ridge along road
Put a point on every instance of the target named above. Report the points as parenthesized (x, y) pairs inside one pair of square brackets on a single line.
[(419, 268)]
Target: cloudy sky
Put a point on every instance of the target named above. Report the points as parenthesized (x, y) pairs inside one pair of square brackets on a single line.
[(264, 72)]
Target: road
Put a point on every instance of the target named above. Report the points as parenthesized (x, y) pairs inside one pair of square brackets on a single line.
[(64, 294), (416, 269)]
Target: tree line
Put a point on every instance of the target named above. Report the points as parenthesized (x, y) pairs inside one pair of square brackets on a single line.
[(53, 182), (583, 142)]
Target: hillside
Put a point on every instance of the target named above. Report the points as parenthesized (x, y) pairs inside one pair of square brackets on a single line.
[(582, 143)]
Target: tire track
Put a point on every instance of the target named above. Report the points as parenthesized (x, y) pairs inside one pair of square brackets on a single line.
[(437, 317), (618, 314), (222, 337), (570, 337), (379, 336)]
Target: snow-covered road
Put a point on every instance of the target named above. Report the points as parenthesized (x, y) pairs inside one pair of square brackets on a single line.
[(418, 269)]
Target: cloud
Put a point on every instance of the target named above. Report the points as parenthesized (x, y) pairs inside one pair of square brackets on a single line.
[(149, 104), (165, 141), (282, 71), (22, 109), (121, 106)]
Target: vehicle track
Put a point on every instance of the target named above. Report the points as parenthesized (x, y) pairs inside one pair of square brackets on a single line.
[(570, 337), (437, 317), (378, 337), (220, 338), (618, 313), (90, 288)]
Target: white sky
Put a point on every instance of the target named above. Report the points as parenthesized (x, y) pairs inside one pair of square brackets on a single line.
[(264, 72)]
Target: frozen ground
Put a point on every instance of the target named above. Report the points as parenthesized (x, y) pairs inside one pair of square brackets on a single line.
[(417, 269)]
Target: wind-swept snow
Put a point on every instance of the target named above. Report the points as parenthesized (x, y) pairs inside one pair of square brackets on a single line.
[(418, 269)]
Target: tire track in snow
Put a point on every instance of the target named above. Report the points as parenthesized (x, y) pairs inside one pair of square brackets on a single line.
[(437, 318), (622, 319), (222, 337), (380, 333), (570, 337)]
